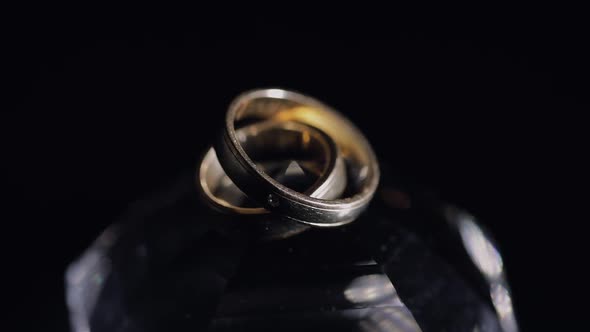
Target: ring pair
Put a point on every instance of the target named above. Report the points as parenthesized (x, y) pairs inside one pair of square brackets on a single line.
[(289, 155)]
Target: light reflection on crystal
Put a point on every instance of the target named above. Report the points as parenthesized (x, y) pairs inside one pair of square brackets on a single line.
[(370, 289), (376, 290), (93, 266), (486, 257), (483, 253), (503, 303)]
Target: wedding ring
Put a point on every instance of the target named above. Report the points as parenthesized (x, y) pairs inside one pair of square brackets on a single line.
[(286, 106), (316, 153)]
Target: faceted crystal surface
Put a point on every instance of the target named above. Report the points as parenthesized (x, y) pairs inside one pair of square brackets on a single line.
[(172, 264)]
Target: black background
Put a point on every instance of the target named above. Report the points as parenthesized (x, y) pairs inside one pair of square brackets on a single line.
[(104, 108)]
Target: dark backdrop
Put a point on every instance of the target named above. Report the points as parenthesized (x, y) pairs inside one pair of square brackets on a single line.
[(104, 110)]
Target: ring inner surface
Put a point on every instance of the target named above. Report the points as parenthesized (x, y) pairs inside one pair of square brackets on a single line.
[(293, 154), (352, 144)]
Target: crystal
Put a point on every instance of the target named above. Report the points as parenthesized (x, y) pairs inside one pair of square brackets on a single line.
[(172, 264)]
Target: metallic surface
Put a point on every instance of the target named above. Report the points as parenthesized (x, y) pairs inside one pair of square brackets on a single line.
[(331, 172), (282, 105)]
